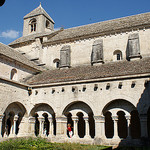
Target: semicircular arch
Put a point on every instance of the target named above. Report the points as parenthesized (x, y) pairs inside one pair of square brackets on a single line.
[(119, 104), (17, 108), (42, 107), (77, 106)]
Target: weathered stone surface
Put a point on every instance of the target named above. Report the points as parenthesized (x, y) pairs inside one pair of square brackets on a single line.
[(65, 56), (97, 51), (133, 48), (106, 104)]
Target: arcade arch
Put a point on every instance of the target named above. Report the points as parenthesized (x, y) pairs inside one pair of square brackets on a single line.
[(13, 116), (80, 116), (121, 120), (44, 120)]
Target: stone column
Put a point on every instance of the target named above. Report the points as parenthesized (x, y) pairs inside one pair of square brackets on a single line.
[(32, 126), (115, 119), (99, 130), (41, 123), (99, 127), (15, 120), (51, 127), (128, 125), (143, 121), (61, 123), (75, 122), (87, 134), (23, 128), (1, 119), (102, 127)]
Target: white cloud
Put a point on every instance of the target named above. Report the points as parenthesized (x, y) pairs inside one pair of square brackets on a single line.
[(10, 34)]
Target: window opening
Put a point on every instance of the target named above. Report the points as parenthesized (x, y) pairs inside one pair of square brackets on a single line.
[(118, 57), (33, 25)]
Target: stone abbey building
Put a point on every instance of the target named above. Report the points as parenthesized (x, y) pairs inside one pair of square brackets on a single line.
[(95, 77)]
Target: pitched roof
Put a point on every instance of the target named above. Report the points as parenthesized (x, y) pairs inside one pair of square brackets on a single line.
[(32, 37), (12, 54), (100, 28), (115, 69), (38, 11), (105, 27)]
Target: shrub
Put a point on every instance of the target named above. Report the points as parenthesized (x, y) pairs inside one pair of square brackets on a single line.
[(43, 144)]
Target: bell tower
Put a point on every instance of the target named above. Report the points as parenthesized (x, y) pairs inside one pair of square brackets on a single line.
[(37, 21)]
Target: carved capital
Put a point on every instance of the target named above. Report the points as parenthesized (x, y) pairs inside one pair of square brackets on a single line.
[(31, 120), (115, 118)]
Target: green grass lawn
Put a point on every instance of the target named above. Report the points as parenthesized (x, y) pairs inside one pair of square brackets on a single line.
[(43, 144)]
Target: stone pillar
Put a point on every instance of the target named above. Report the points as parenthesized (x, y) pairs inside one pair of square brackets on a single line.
[(23, 128), (115, 119), (99, 127), (6, 127), (1, 119), (15, 120), (32, 126), (61, 123), (143, 121), (102, 127), (41, 123), (51, 127), (128, 125), (87, 134), (75, 122)]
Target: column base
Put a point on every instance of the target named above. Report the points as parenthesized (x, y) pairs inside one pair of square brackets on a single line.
[(87, 137), (75, 136), (98, 140), (12, 135), (44, 136), (115, 137)]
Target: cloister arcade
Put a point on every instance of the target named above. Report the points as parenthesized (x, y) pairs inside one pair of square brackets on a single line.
[(43, 118), (12, 118), (119, 120), (80, 116)]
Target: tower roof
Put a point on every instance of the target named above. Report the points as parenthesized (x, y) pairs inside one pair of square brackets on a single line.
[(38, 11)]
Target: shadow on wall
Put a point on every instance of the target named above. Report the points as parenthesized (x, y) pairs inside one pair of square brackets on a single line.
[(143, 108)]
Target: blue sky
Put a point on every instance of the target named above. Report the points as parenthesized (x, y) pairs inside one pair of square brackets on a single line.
[(65, 13)]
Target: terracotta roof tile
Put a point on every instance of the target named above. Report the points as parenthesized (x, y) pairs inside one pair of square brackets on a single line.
[(104, 27), (120, 68), (13, 54)]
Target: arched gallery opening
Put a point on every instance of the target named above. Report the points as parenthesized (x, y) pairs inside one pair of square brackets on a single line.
[(13, 116), (45, 122), (121, 120), (80, 116)]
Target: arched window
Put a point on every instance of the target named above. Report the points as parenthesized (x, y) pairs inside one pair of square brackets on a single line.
[(47, 24), (13, 74), (117, 55), (33, 25), (57, 62)]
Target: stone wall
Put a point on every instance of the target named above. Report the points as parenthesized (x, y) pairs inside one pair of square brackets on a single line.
[(7, 66), (59, 97), (81, 50)]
